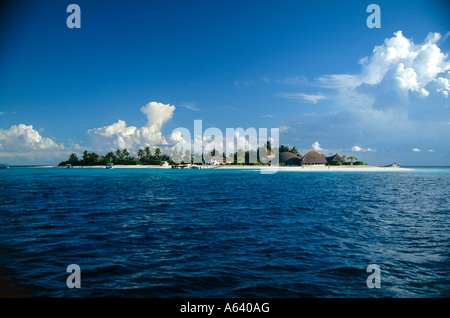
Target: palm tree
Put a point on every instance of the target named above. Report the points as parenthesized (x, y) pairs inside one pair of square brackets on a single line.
[(269, 146), (93, 157), (140, 154), (187, 156), (85, 156), (294, 150), (157, 152), (148, 153), (344, 157), (119, 154), (284, 148), (352, 158), (240, 156), (175, 155), (126, 153), (73, 159), (109, 157)]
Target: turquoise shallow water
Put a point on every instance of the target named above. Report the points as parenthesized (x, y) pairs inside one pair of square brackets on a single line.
[(213, 233)]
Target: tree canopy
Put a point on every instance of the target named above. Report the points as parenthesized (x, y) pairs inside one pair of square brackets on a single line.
[(121, 157)]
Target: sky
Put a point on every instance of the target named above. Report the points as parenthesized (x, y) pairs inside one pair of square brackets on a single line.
[(137, 70)]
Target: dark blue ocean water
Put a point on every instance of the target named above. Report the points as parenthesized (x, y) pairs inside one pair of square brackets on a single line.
[(215, 233)]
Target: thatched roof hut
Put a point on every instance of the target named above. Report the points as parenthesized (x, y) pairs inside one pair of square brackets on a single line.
[(335, 157), (314, 158), (288, 158)]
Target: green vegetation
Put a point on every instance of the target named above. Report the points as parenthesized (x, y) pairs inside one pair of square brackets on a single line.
[(120, 157), (352, 158), (293, 150), (144, 156)]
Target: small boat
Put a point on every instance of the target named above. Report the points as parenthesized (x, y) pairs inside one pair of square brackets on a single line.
[(109, 165), (182, 166), (4, 166), (393, 165), (165, 164)]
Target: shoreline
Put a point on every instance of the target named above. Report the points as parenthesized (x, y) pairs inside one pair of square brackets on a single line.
[(319, 168), (262, 168)]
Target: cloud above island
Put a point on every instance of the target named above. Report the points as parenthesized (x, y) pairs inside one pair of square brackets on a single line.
[(316, 146), (119, 135)]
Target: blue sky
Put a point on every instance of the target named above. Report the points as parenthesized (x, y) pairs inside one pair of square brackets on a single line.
[(312, 68)]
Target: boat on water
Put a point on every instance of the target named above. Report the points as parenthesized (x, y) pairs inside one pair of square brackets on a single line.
[(4, 166), (394, 165), (165, 164), (193, 166), (181, 166), (109, 165)]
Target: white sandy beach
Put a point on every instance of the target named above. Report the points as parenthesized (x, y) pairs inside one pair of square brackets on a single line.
[(319, 168), (123, 167), (290, 168), (279, 168)]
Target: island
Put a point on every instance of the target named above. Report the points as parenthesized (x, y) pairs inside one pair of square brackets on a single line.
[(289, 160), (119, 157)]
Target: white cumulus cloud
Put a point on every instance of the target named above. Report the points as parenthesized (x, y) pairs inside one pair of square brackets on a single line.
[(176, 136), (22, 143), (443, 85), (119, 135), (412, 66), (360, 149), (399, 96), (22, 137), (316, 146)]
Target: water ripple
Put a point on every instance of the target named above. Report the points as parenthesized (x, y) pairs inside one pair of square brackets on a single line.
[(159, 233)]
